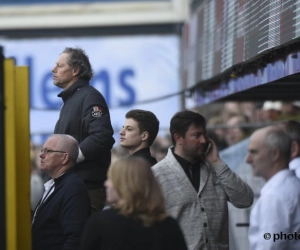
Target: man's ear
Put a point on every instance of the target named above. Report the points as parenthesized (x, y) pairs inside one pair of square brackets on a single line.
[(177, 138), (295, 149), (75, 71), (275, 154), (145, 136), (66, 158)]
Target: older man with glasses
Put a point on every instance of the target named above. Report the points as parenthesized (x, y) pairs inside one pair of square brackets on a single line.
[(59, 217)]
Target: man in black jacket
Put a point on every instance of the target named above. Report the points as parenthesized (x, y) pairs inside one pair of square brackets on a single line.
[(61, 214), (85, 116), (138, 133)]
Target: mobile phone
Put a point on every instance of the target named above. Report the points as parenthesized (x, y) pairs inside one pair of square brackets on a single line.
[(208, 147)]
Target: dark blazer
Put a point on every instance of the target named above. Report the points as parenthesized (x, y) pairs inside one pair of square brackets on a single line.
[(60, 219)]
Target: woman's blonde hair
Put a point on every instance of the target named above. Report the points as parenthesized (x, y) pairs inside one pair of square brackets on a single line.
[(140, 194)]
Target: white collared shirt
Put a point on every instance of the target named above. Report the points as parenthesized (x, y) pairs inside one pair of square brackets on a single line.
[(48, 186), (277, 211), (295, 165)]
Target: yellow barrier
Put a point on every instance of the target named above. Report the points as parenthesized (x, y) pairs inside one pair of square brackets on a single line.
[(17, 156)]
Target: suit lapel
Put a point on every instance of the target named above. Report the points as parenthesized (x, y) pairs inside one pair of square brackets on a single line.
[(203, 176), (177, 169)]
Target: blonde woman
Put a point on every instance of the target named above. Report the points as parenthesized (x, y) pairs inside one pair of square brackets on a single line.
[(137, 219)]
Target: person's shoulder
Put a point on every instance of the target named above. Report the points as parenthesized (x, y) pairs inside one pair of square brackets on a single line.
[(285, 188), (145, 154), (171, 220), (91, 94), (161, 164), (100, 216), (285, 177), (91, 90), (73, 180), (72, 175), (162, 171), (169, 223), (86, 88), (292, 184), (107, 215), (156, 167)]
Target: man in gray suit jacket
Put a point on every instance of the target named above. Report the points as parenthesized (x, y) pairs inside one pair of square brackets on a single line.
[(197, 184)]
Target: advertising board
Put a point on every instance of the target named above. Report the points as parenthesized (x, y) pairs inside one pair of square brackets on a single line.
[(128, 70)]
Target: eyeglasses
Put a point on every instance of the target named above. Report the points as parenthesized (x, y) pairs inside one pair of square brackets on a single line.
[(48, 151)]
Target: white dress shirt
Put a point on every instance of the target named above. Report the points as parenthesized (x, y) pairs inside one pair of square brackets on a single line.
[(277, 211), (295, 165), (48, 190)]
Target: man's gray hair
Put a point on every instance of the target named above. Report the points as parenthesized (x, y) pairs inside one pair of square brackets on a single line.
[(79, 59), (276, 137), (68, 144)]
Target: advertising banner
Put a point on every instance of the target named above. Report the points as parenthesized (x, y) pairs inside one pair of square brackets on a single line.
[(128, 71)]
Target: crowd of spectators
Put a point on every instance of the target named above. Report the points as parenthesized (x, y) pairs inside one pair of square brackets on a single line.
[(228, 123), (234, 121)]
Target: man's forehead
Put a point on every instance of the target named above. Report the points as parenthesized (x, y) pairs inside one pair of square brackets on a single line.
[(49, 142), (63, 58), (259, 135), (257, 139), (195, 127), (131, 122)]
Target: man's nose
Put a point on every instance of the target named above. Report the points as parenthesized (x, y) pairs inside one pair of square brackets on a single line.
[(203, 139)]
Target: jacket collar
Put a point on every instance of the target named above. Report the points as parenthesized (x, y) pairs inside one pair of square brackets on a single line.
[(74, 87), (57, 186), (141, 152), (178, 169)]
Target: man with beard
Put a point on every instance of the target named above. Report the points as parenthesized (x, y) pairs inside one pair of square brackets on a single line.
[(197, 184)]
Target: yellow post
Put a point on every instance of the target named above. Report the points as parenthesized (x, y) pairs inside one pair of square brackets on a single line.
[(17, 157), (23, 158), (10, 152)]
